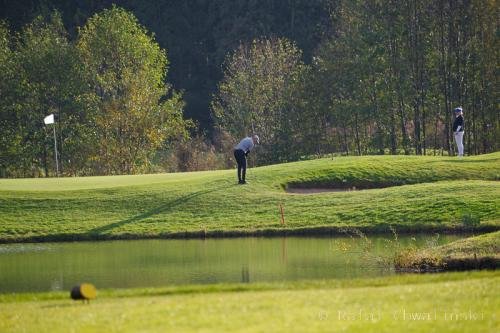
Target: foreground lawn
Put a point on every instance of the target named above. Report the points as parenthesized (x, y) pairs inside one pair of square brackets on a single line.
[(451, 302), (437, 194)]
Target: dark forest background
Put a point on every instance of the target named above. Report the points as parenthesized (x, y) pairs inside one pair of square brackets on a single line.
[(196, 34)]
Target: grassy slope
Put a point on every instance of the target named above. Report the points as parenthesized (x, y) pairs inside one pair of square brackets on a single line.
[(452, 302), (474, 252), (211, 202), (488, 244)]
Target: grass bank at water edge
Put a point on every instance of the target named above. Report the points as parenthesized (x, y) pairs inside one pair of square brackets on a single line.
[(479, 252)]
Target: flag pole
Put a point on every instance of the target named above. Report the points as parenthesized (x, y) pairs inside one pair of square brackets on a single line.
[(50, 120), (55, 150)]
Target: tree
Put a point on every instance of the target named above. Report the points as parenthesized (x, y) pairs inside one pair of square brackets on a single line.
[(197, 34), (257, 95), (11, 138), (348, 69), (396, 69), (138, 111), (48, 79)]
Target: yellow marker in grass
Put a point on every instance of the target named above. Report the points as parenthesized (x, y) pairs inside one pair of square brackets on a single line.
[(84, 291)]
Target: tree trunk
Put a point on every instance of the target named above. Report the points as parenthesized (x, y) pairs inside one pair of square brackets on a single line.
[(444, 81), (403, 124), (44, 160), (356, 133), (346, 143), (394, 143)]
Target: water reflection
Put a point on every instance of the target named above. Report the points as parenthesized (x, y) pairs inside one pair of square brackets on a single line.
[(150, 263), (245, 274)]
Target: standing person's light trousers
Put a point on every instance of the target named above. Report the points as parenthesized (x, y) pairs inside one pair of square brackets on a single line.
[(459, 140)]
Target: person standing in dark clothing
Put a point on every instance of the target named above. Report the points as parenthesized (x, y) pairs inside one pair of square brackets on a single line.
[(458, 130), (241, 152)]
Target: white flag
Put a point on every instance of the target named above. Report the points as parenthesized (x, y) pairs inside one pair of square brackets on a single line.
[(49, 119)]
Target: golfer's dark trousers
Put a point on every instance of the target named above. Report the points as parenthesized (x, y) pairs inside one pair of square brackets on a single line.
[(241, 159)]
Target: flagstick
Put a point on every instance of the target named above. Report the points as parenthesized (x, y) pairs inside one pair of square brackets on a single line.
[(55, 150)]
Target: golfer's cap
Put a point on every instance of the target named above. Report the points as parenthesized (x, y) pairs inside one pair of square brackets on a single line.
[(256, 137), (458, 110)]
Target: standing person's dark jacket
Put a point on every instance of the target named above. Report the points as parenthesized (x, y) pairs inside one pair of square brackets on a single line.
[(458, 124)]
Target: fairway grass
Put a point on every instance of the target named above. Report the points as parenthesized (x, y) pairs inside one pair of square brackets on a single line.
[(421, 194), (450, 302)]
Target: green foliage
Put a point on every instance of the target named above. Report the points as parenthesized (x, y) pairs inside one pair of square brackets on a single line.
[(10, 81), (127, 70), (384, 79), (113, 109), (391, 73), (50, 80), (258, 95), (195, 154), (197, 34)]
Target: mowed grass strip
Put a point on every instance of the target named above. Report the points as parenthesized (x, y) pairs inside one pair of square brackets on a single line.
[(452, 302), (440, 193)]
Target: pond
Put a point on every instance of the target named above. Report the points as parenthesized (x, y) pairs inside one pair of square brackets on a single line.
[(153, 263)]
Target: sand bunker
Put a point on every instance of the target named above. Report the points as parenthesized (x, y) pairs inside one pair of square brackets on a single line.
[(314, 190), (311, 189)]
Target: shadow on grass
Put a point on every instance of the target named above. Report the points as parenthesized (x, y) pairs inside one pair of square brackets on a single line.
[(65, 304), (466, 160), (165, 208)]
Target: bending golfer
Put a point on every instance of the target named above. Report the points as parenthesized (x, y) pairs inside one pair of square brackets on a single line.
[(458, 130), (240, 154)]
